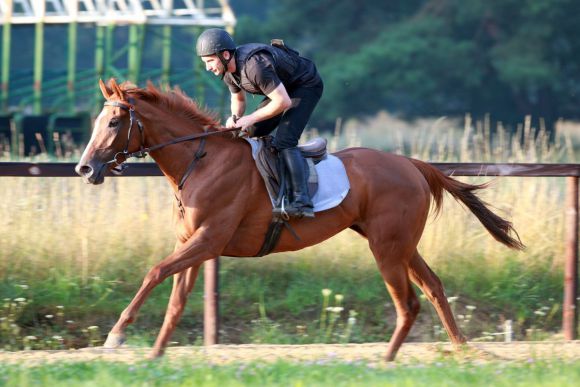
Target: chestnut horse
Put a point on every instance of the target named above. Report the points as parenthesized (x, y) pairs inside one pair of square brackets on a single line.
[(224, 209)]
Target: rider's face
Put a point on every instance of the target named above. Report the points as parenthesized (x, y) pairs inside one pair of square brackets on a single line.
[(213, 63)]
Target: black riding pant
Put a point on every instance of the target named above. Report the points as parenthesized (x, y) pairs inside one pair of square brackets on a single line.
[(292, 122)]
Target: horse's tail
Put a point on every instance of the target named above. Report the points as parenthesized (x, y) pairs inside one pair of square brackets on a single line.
[(498, 227)]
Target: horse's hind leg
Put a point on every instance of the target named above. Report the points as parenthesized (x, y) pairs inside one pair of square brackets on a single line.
[(422, 275), (406, 302)]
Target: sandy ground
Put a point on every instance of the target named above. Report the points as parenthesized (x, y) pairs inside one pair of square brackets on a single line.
[(371, 352)]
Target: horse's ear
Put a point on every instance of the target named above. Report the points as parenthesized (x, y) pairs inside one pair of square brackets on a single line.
[(116, 89), (106, 92), (150, 85)]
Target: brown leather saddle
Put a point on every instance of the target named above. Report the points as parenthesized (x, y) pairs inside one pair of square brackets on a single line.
[(274, 173)]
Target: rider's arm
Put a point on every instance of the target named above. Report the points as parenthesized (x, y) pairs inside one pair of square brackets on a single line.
[(238, 107), (279, 102), (238, 103)]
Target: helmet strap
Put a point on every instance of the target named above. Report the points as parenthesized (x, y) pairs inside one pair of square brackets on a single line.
[(225, 62)]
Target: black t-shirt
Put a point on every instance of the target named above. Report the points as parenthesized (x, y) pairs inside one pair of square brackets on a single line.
[(261, 72), (264, 69)]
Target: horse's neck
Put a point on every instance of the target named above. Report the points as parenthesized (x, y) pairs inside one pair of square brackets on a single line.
[(162, 128), (175, 160)]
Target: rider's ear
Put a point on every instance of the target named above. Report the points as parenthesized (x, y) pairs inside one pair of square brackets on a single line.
[(106, 92)]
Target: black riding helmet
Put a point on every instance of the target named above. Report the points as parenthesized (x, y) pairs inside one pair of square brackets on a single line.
[(215, 41)]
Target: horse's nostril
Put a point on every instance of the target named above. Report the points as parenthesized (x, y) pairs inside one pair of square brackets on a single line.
[(85, 170)]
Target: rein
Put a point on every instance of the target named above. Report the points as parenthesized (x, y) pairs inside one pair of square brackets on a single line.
[(144, 151)]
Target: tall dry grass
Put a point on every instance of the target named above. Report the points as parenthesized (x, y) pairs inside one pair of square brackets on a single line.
[(80, 230), (55, 230), (534, 205), (124, 226)]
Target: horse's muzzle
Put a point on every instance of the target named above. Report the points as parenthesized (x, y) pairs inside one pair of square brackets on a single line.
[(92, 174)]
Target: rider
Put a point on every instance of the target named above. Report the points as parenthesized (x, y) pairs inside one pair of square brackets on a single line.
[(291, 86)]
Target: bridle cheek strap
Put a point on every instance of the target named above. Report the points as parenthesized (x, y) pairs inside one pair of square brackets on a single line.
[(132, 118)]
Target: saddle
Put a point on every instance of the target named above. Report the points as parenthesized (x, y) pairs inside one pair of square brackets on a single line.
[(273, 171)]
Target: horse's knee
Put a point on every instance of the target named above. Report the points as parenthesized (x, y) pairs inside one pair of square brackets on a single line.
[(410, 313), (155, 276), (408, 316)]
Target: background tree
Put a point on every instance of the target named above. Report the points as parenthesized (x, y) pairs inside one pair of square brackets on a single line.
[(438, 57)]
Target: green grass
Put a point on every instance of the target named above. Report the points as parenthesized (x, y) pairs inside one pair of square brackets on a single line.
[(321, 373), (279, 300)]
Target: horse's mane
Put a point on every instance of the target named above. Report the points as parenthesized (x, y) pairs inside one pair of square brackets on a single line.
[(174, 100)]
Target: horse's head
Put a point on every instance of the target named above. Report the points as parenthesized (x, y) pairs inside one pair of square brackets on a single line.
[(115, 134)]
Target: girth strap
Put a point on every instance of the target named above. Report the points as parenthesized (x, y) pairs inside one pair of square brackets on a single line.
[(272, 236)]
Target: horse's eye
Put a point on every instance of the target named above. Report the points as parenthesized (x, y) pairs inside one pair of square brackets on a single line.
[(114, 123)]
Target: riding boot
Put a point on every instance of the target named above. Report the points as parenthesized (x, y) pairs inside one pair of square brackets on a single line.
[(300, 205)]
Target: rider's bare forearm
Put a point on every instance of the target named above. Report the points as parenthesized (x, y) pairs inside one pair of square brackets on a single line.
[(238, 104)]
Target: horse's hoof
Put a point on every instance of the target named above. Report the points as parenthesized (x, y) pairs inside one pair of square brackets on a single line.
[(155, 355), (115, 340)]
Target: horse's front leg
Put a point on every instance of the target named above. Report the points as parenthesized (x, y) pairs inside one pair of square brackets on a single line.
[(190, 255), (182, 284)]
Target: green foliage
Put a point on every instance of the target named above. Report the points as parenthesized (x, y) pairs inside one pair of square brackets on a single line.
[(66, 312), (405, 67), (508, 58), (287, 308)]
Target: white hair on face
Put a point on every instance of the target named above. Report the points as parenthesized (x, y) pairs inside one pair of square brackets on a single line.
[(97, 125)]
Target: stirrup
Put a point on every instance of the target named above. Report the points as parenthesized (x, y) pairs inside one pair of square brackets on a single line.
[(297, 212), (307, 212)]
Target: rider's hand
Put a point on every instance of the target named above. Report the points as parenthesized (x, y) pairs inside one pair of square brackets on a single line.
[(246, 125), (244, 121), (231, 122), (248, 131)]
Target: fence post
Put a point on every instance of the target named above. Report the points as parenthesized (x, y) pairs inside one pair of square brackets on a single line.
[(211, 302), (570, 313)]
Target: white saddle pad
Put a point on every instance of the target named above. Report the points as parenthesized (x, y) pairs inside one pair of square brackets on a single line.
[(333, 184)]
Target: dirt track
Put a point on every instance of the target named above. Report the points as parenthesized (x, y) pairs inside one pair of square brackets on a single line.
[(372, 353)]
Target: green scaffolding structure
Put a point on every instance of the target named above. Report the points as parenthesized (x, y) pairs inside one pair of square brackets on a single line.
[(70, 92)]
